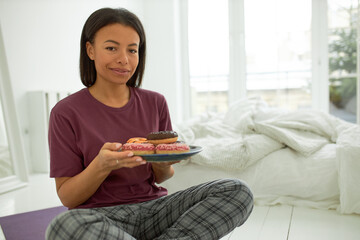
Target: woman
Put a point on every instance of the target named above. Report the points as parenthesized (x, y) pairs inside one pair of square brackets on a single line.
[(113, 194)]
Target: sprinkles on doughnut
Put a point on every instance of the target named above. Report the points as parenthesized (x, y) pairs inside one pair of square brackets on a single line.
[(171, 148), (162, 137), (139, 148)]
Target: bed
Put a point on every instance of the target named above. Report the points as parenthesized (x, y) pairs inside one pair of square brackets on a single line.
[(301, 158)]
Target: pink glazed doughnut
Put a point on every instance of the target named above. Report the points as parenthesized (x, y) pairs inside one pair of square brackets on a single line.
[(139, 148), (171, 148)]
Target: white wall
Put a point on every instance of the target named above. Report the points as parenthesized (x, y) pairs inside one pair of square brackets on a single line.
[(163, 70)]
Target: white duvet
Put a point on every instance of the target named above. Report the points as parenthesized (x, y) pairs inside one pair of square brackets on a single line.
[(305, 157)]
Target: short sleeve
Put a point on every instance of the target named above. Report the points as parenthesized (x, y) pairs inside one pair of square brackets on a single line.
[(65, 158), (165, 119)]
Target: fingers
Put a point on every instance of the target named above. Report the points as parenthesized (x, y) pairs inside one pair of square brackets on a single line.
[(112, 146), (112, 150), (129, 162), (112, 158)]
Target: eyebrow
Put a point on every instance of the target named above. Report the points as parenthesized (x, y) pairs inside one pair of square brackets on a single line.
[(115, 42)]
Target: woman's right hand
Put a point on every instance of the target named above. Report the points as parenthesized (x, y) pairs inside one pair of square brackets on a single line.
[(110, 158), (75, 190)]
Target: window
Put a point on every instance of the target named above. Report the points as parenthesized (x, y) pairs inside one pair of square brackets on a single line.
[(278, 52), (208, 55), (342, 15), (283, 58)]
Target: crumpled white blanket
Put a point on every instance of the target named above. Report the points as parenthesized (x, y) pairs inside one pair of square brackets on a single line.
[(250, 130), (223, 145), (303, 131), (348, 163)]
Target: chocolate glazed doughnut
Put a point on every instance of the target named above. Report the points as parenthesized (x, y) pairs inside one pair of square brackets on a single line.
[(162, 137)]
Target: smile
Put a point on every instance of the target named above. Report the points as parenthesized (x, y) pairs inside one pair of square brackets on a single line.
[(120, 71)]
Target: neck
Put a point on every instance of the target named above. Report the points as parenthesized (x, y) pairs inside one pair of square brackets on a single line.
[(115, 96)]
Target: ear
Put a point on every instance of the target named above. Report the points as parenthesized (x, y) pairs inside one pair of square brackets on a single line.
[(90, 50)]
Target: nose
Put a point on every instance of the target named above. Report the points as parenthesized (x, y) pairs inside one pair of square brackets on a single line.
[(122, 58)]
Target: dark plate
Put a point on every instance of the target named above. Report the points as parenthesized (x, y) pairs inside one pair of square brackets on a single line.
[(172, 157)]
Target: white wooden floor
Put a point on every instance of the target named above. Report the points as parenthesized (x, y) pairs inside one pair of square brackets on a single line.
[(265, 223), (296, 223)]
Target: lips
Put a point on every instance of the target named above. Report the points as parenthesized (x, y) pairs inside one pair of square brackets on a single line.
[(120, 70)]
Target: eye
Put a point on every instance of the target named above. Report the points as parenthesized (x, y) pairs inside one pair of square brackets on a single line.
[(110, 48), (133, 51)]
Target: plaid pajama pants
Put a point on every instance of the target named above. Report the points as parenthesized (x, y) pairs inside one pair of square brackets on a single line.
[(206, 211)]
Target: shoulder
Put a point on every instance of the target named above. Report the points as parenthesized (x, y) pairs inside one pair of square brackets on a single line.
[(71, 102), (149, 95)]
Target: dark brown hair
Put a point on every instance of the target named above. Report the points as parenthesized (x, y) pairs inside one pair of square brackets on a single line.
[(99, 19)]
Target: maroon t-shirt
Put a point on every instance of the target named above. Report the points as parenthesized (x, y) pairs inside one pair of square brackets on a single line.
[(80, 125)]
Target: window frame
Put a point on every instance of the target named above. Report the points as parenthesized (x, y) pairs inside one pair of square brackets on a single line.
[(237, 72), (358, 69), (319, 51)]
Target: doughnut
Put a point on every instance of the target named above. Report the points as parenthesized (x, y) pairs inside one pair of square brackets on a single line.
[(172, 148), (139, 148), (136, 140), (162, 137)]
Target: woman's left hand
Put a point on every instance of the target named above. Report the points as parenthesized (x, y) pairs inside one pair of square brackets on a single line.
[(163, 170), (164, 164)]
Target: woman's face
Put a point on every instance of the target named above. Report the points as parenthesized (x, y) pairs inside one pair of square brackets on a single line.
[(115, 53)]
